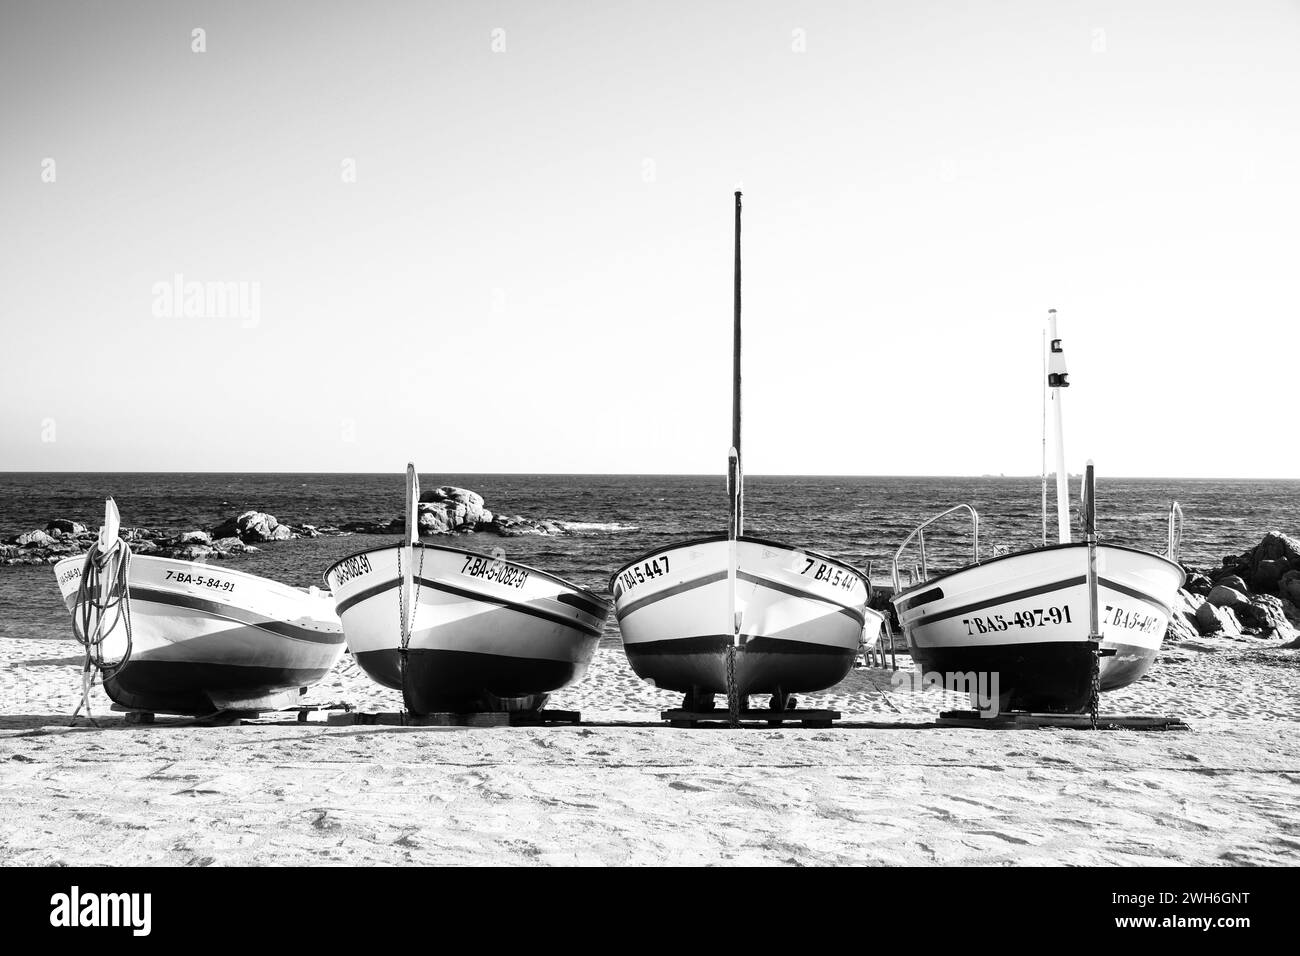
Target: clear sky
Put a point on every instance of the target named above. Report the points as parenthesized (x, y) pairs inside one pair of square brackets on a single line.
[(532, 269)]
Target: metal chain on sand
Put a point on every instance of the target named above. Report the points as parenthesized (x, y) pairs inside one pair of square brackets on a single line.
[(733, 691)]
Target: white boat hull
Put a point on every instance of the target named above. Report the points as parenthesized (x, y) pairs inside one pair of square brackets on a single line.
[(206, 638), (803, 617), (487, 634), (1024, 617)]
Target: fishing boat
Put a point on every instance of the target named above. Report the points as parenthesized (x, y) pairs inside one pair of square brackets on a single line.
[(178, 637), (739, 615), (459, 631), (1049, 627)]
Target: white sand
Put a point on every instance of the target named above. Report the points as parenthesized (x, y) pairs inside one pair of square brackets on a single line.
[(176, 794)]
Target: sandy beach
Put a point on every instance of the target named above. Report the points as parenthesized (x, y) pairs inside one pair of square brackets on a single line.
[(885, 787)]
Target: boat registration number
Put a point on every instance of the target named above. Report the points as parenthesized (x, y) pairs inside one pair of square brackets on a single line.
[(1027, 618), (199, 580), (1132, 620), (643, 571), (350, 568), (494, 569), (835, 577)]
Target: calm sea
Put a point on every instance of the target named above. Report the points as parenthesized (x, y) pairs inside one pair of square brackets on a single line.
[(614, 517)]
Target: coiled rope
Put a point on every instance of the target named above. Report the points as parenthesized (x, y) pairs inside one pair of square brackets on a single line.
[(103, 602)]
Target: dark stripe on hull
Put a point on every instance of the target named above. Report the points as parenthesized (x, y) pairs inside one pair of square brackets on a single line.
[(1034, 592), (522, 608), (467, 682), (230, 613), (764, 665), (181, 687), (746, 577)]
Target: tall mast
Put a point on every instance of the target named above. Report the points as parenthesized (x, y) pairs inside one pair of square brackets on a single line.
[(1057, 379), (1042, 386), (738, 491), (736, 501)]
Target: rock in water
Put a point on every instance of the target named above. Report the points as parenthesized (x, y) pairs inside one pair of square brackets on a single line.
[(34, 539), (65, 526), (460, 507), (194, 552), (253, 526), (452, 493), (434, 519), (195, 537)]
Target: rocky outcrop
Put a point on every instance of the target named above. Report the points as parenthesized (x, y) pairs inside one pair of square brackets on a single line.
[(512, 526), (64, 526), (443, 510), (447, 508), (252, 527), (38, 547), (1252, 595)]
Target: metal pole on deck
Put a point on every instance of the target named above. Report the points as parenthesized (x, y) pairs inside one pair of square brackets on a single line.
[(736, 495), (1042, 385), (1057, 379)]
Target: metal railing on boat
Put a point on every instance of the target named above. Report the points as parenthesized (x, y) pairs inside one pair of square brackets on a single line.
[(1175, 546), (918, 533)]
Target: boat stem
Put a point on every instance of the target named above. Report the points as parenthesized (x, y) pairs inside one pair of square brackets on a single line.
[(1094, 615), (410, 535)]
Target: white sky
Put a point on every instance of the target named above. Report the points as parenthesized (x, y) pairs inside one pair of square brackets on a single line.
[(502, 290)]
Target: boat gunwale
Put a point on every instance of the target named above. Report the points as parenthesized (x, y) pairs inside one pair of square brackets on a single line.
[(600, 599), (713, 539), (929, 582)]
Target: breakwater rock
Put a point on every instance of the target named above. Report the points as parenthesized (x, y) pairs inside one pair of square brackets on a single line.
[(1255, 594), (443, 511)]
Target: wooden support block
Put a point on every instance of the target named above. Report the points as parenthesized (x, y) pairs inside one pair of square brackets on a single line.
[(773, 718), (1020, 720), (483, 719)]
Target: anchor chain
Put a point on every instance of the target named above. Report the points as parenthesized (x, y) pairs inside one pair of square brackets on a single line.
[(1094, 699), (733, 691)]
